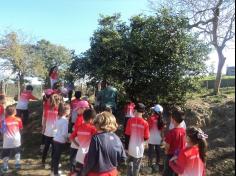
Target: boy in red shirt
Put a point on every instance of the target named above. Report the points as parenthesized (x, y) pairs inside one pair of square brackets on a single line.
[(192, 159), (11, 138), (138, 131), (175, 140), (84, 134)]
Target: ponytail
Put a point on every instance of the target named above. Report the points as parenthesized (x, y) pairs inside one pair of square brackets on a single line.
[(202, 145), (160, 121)]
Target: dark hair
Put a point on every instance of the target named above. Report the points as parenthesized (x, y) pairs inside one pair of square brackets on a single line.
[(140, 107), (2, 97), (56, 85), (29, 87), (78, 94), (177, 115), (89, 114), (51, 70), (196, 136), (63, 107), (10, 110), (160, 121)]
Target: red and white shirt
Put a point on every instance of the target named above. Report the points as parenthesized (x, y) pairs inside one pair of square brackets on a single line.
[(1, 112), (51, 118), (74, 104), (54, 75), (129, 110), (155, 133), (24, 100), (176, 138), (189, 163), (84, 133), (12, 136), (138, 130), (79, 122)]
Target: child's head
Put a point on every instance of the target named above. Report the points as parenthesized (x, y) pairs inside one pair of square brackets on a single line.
[(89, 115), (140, 108), (106, 122), (29, 88), (64, 110), (82, 106), (55, 100), (158, 110), (195, 136), (78, 94), (10, 111), (2, 99), (177, 116)]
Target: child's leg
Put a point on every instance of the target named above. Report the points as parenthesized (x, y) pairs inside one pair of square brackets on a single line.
[(25, 116), (73, 153), (158, 153), (56, 156), (48, 141), (137, 166), (17, 157), (42, 143), (5, 157), (150, 154), (79, 169)]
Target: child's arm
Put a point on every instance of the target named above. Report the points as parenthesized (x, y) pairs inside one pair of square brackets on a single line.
[(177, 164)]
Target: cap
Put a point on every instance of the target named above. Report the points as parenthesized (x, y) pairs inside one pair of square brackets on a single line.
[(82, 104), (49, 92), (157, 108), (140, 107)]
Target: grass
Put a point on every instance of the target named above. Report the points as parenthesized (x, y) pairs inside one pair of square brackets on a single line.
[(214, 77)]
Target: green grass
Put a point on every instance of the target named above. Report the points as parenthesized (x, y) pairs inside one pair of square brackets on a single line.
[(214, 77)]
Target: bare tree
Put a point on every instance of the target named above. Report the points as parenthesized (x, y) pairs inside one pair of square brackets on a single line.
[(214, 19)]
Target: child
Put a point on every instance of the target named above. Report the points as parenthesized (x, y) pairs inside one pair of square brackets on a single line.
[(138, 131), (156, 126), (49, 123), (2, 113), (46, 106), (61, 135), (192, 159), (175, 140), (84, 135), (128, 113), (74, 104), (22, 105), (182, 124), (81, 107), (53, 74), (106, 151), (11, 138)]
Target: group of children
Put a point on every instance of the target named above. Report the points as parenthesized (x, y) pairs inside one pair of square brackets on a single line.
[(95, 149)]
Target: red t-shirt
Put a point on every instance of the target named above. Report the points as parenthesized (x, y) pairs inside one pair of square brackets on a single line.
[(46, 107), (176, 138), (79, 122), (189, 163), (54, 75), (155, 133)]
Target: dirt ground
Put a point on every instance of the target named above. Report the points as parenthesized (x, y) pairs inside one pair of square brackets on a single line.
[(216, 117)]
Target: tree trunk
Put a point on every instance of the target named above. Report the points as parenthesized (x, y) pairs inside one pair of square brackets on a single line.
[(20, 84), (219, 71)]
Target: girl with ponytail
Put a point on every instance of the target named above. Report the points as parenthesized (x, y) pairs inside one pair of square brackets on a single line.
[(191, 161)]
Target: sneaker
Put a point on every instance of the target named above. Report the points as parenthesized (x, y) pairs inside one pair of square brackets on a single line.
[(17, 166)]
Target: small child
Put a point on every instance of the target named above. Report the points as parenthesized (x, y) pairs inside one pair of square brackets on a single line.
[(192, 159), (175, 140), (106, 151), (49, 123), (81, 107), (61, 135), (22, 105), (138, 131), (182, 124), (11, 138), (53, 74), (156, 125), (84, 135), (2, 113), (74, 104)]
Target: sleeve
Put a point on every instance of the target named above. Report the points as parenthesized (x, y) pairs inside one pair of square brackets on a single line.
[(65, 131), (168, 138), (20, 123), (92, 157), (178, 165), (128, 128), (146, 132), (31, 97), (74, 133)]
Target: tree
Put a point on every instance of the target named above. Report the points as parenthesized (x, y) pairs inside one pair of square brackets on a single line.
[(154, 57), (215, 19)]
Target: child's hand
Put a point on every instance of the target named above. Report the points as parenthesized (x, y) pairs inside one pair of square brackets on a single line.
[(174, 158)]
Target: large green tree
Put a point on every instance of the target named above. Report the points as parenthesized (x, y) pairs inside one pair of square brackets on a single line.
[(154, 58)]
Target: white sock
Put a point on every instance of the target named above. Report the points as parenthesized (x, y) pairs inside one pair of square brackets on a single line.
[(17, 158), (5, 162)]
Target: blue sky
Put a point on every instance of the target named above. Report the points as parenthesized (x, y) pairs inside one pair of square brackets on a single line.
[(71, 23), (67, 22)]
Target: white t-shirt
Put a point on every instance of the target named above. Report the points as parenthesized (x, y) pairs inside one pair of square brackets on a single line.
[(12, 136), (61, 130), (155, 136), (51, 123)]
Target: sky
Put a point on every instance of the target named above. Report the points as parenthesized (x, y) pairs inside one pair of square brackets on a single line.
[(71, 23)]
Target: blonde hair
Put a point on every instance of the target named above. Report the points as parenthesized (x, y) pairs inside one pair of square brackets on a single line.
[(55, 100), (106, 121)]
